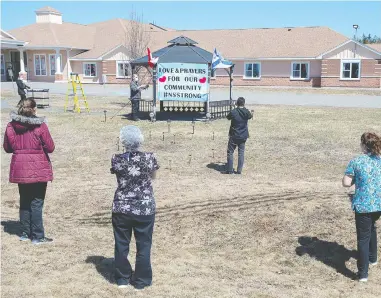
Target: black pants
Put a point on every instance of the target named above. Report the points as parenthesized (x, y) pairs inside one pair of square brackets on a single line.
[(22, 97), (366, 241), (142, 225), (31, 203), (233, 143), (134, 109)]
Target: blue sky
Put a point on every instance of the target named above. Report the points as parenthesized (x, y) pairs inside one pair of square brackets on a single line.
[(339, 16)]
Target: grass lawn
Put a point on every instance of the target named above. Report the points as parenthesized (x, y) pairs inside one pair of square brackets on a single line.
[(282, 229)]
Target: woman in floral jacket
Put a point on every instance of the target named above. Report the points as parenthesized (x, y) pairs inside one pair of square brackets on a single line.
[(133, 208), (364, 172)]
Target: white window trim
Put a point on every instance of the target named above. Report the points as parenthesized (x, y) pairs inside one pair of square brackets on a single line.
[(116, 65), (84, 72), (349, 61), (50, 66), (252, 78), (292, 71), (34, 65), (3, 74)]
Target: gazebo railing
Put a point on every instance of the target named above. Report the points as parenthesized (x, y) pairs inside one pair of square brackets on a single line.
[(220, 109), (183, 106)]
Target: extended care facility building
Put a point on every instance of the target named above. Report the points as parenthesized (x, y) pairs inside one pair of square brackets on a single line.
[(49, 49)]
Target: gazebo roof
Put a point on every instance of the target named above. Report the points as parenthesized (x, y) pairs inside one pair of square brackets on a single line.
[(181, 50), (182, 40)]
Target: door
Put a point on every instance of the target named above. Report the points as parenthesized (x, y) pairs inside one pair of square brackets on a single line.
[(15, 61)]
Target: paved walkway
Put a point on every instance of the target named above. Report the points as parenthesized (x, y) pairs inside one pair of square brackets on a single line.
[(252, 95)]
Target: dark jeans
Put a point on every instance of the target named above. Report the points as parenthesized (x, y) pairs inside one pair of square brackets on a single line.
[(134, 109), (366, 241), (233, 143), (31, 202), (142, 225), (22, 97)]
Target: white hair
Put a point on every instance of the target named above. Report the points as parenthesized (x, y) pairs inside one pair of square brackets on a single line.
[(131, 137)]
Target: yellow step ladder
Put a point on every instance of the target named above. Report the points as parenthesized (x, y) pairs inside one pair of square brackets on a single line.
[(74, 85)]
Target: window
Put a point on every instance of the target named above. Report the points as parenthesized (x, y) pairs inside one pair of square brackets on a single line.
[(2, 65), (52, 64), (350, 70), (252, 71), (123, 69), (90, 69), (300, 70), (40, 65)]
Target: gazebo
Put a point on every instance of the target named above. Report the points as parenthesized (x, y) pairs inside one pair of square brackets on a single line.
[(181, 80)]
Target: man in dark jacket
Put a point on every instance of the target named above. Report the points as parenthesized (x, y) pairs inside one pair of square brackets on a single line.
[(238, 134), (135, 96), (21, 86)]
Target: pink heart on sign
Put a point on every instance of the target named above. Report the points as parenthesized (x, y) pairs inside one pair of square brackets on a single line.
[(162, 79), (203, 80)]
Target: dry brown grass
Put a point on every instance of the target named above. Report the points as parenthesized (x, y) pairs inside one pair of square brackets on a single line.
[(215, 235)]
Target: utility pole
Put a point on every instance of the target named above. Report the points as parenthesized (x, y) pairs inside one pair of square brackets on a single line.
[(355, 27)]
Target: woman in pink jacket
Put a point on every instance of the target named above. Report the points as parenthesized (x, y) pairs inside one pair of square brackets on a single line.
[(27, 137)]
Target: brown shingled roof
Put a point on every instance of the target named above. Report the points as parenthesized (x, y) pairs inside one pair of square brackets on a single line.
[(375, 46), (110, 34), (303, 42), (57, 35), (100, 38), (260, 43)]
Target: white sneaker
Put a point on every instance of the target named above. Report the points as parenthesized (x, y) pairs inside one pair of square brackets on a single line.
[(373, 264), (363, 280)]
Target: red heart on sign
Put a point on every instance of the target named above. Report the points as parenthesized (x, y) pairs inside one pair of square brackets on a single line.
[(203, 80), (162, 79)]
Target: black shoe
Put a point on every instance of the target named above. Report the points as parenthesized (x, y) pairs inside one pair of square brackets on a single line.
[(226, 172), (139, 286), (42, 241), (24, 237), (238, 173), (122, 283)]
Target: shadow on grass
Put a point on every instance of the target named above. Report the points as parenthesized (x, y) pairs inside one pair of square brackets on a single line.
[(12, 227), (104, 266), (329, 253), (219, 167)]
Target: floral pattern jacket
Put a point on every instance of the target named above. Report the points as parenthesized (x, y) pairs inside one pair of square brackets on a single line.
[(366, 170), (134, 194)]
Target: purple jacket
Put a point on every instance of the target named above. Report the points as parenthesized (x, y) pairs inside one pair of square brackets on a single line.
[(29, 140)]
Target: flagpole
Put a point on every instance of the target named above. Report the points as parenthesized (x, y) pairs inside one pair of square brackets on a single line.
[(154, 77), (231, 83)]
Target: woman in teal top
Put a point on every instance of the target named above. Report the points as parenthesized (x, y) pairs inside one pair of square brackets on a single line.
[(364, 172)]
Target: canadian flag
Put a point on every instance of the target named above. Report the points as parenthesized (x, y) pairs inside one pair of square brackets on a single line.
[(151, 61)]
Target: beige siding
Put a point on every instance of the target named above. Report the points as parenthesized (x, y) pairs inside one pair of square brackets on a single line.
[(118, 54), (352, 51)]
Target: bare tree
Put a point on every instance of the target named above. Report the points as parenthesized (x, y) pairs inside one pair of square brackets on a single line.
[(137, 36)]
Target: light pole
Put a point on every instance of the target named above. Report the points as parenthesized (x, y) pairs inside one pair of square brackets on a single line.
[(355, 27)]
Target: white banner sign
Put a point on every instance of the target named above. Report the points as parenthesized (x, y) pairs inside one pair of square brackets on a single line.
[(182, 82)]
